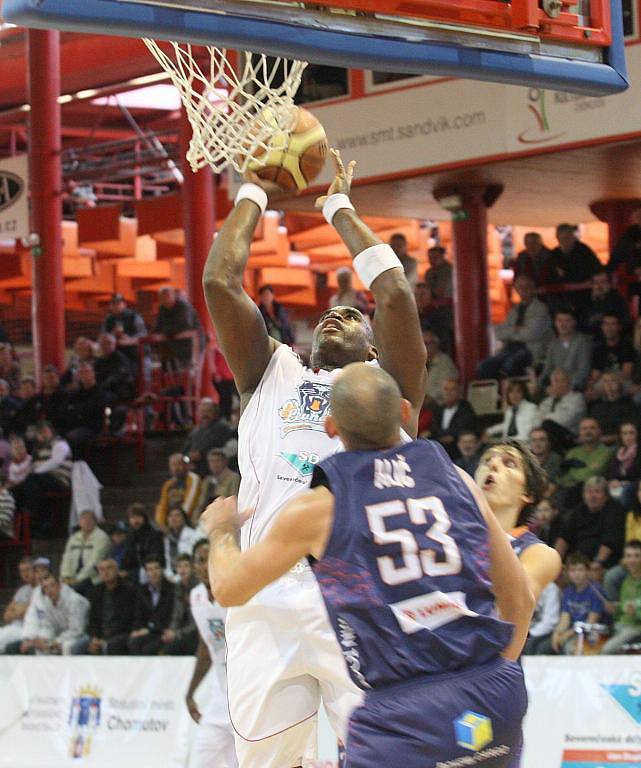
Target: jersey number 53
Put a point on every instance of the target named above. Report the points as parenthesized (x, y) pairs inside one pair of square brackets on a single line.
[(416, 562)]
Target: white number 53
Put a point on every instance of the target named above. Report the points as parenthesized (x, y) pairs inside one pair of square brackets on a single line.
[(416, 561)]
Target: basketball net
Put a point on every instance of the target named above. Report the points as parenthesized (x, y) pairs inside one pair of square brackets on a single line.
[(234, 114)]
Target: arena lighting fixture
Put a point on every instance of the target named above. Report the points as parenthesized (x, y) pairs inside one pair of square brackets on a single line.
[(161, 96)]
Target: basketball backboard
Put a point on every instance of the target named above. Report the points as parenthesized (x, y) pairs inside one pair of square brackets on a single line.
[(570, 45)]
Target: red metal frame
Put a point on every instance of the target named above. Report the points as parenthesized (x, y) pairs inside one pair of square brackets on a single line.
[(517, 16)]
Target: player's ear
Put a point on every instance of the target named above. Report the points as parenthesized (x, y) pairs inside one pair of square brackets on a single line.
[(373, 353), (330, 426), (406, 411)]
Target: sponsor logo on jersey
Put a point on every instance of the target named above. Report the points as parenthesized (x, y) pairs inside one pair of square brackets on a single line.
[(303, 462), (430, 611), (628, 696), (308, 410), (478, 758), (217, 629), (393, 473)]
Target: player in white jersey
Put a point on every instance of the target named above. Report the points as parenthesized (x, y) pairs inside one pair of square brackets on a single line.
[(283, 656), (214, 744)]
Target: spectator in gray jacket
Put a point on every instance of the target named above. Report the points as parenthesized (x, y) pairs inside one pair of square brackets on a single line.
[(571, 351), (55, 620), (523, 336), (84, 550), (562, 410), (181, 638)]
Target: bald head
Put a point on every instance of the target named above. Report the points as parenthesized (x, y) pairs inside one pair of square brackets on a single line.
[(367, 408)]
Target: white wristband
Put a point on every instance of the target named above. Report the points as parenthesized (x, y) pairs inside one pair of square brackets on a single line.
[(375, 260), (253, 192), (333, 204)]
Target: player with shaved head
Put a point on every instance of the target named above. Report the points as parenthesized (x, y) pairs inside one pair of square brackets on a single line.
[(282, 654), (428, 600)]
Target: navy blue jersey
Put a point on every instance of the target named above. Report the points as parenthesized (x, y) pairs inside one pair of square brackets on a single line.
[(405, 572), (522, 538)]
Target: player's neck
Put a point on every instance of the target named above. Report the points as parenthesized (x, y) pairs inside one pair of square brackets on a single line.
[(507, 517)]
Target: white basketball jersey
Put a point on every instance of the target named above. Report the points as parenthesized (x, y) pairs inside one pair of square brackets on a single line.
[(210, 620), (281, 436)]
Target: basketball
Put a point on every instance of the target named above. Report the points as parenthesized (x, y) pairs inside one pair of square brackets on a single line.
[(295, 158)]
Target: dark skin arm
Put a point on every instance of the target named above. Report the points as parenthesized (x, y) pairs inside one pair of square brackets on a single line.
[(239, 326), (397, 329), (203, 663)]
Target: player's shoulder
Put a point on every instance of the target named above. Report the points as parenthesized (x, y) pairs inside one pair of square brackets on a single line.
[(198, 595)]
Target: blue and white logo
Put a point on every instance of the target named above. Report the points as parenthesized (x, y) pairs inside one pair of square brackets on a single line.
[(628, 697)]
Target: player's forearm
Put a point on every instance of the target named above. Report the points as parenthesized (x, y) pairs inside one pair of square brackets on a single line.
[(356, 235), (229, 253), (229, 579), (203, 663)]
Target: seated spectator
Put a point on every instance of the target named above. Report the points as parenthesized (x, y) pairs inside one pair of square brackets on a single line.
[(179, 539), (615, 575), (179, 492), (51, 471), (624, 470), (86, 409), (26, 417), (570, 351), (20, 463), (346, 295), (181, 638), (434, 317), (612, 408), (573, 262), (118, 538), (541, 447), (604, 300), (14, 613), (524, 336), (112, 602), (220, 481), (452, 417), (83, 551), (83, 352), (153, 610), (142, 541), (580, 602), (533, 260), (210, 432), (127, 326), (440, 367), (9, 406), (596, 527), (613, 353), (520, 415), (7, 514), (544, 621), (398, 243), (627, 252), (53, 399), (275, 316), (589, 459), (439, 276), (627, 617), (55, 620), (10, 367), (547, 519), (113, 371), (179, 330), (470, 449)]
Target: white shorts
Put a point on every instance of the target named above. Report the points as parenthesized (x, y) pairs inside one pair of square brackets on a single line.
[(214, 743), (282, 658)]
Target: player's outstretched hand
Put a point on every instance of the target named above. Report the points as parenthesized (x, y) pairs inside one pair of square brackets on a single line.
[(342, 182), (272, 190), (193, 709), (222, 516)]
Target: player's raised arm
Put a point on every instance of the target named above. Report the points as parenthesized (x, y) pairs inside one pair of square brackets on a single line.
[(239, 325), (510, 584), (397, 329), (301, 528)]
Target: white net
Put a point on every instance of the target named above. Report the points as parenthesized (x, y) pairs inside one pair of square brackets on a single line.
[(234, 112)]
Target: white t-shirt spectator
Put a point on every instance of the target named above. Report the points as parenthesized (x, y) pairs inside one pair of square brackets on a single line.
[(64, 622), (547, 612), (18, 471)]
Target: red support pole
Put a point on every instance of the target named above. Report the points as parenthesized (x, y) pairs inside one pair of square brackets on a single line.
[(199, 222), (616, 214), (48, 298), (471, 294)]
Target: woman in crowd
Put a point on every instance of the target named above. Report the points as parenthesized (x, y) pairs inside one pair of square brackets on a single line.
[(520, 415), (624, 469)]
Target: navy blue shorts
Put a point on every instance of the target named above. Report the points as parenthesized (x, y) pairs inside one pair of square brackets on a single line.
[(468, 718)]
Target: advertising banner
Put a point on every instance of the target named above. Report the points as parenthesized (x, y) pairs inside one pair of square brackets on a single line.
[(14, 197)]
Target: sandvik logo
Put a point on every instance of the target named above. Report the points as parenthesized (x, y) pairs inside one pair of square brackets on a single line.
[(628, 697), (11, 189)]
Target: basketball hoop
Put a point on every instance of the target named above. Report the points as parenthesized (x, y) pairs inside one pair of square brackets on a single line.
[(234, 114)]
